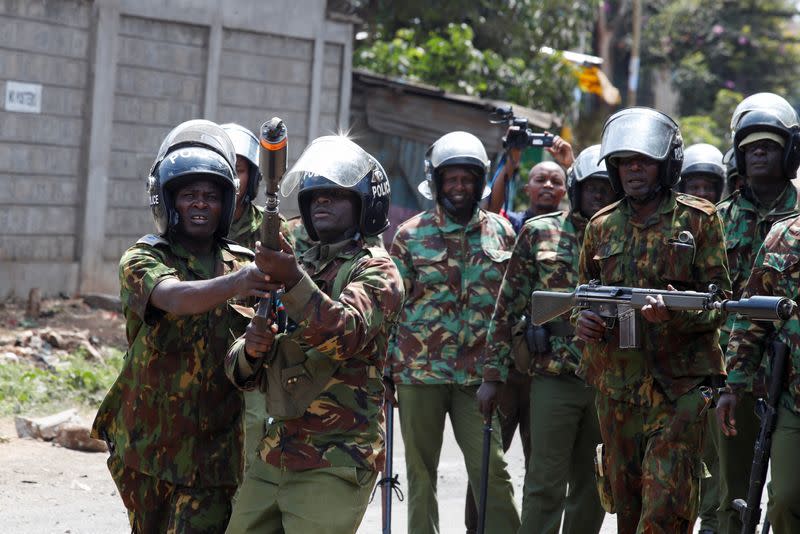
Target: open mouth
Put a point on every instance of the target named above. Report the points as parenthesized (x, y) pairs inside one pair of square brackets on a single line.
[(199, 219)]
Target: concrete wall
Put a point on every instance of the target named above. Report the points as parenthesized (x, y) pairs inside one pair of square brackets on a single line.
[(117, 75)]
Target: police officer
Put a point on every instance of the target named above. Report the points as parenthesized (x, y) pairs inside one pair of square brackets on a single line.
[(703, 174), (562, 407), (764, 127), (172, 420), (733, 180), (324, 445), (652, 400), (247, 216), (451, 259)]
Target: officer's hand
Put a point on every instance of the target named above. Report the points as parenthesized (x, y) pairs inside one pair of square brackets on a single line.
[(726, 409), (389, 391), (655, 311), (590, 327), (562, 152), (257, 344), (249, 281), (486, 396), (280, 266)]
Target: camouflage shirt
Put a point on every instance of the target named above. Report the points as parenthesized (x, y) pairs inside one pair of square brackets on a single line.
[(452, 274), (296, 234), (746, 224), (172, 413), (677, 354), (343, 427), (545, 257), (776, 271)]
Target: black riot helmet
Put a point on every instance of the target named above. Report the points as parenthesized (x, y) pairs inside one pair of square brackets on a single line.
[(767, 116), (647, 132), (455, 149), (336, 162), (731, 171), (585, 166), (194, 150), (703, 159), (246, 146)]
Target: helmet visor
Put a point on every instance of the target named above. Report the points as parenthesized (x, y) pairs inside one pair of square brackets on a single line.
[(586, 163), (770, 102), (244, 142), (199, 132), (637, 133), (333, 157)]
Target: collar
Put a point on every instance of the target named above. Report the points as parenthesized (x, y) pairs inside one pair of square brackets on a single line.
[(220, 252), (667, 205), (321, 254), (447, 225)]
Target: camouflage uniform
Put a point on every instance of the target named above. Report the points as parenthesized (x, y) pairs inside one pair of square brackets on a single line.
[(172, 419), (650, 402), (451, 273), (563, 413), (775, 272), (746, 224), (337, 447), (300, 238)]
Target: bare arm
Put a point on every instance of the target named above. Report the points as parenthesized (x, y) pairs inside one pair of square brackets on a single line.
[(498, 196), (199, 296)]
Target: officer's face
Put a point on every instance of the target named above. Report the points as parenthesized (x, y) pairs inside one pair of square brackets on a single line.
[(199, 207), (243, 172), (596, 193), (458, 186), (763, 159), (702, 186), (333, 214), (546, 187), (638, 174)]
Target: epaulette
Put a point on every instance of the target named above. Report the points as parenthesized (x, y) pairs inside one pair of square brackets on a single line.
[(235, 247), (606, 209), (697, 203), (153, 240)]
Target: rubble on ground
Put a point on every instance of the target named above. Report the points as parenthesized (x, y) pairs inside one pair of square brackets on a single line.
[(65, 428)]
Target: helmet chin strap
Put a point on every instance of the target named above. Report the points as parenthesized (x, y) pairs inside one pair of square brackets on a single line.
[(451, 209)]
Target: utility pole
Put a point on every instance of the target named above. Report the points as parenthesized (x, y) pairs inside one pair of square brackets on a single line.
[(633, 66)]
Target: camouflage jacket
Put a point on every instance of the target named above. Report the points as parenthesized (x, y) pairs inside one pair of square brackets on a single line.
[(344, 426), (296, 234), (677, 354), (746, 224), (452, 274), (545, 256), (172, 413), (776, 271)]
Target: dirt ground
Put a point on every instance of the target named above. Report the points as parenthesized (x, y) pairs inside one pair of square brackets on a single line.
[(45, 488)]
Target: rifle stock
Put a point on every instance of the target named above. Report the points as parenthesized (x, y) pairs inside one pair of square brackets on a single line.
[(547, 305)]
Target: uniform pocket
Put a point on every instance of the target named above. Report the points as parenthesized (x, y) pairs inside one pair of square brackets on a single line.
[(678, 263), (609, 257)]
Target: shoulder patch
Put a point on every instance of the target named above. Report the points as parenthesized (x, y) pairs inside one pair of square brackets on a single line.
[(238, 249), (153, 240), (697, 203), (607, 209)]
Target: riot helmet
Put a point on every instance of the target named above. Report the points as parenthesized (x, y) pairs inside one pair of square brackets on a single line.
[(336, 162), (732, 176), (767, 116), (455, 148), (706, 160), (246, 145), (195, 149), (646, 132), (585, 166)]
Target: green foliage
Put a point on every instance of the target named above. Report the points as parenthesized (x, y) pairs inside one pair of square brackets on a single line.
[(716, 44), (76, 380), (451, 61), (713, 128)]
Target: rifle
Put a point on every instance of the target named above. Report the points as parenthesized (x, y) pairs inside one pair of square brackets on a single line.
[(621, 303), (767, 410), (272, 150), (487, 442)]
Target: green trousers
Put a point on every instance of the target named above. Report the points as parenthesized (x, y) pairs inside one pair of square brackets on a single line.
[(566, 432), (709, 486), (783, 507), (735, 459), (423, 409), (329, 500)]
